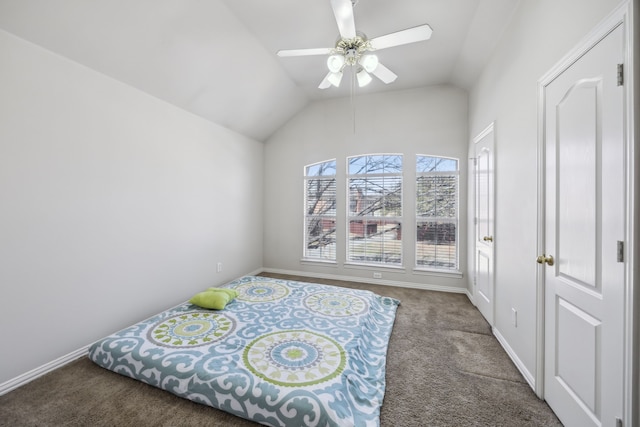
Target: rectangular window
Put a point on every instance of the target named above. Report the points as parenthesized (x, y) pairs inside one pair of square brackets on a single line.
[(437, 213), (375, 209), (320, 211)]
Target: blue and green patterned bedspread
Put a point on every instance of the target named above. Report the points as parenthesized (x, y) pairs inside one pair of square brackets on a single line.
[(282, 353)]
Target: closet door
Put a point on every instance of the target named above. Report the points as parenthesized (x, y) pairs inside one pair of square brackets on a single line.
[(584, 228), (484, 223)]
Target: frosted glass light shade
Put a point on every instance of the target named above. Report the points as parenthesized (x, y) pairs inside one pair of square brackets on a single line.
[(335, 63), (363, 78), (335, 78), (369, 62)]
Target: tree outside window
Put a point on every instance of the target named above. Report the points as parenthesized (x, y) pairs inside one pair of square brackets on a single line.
[(375, 209), (436, 213), (320, 211)]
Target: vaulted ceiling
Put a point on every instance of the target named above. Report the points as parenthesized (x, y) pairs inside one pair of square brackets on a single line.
[(217, 58)]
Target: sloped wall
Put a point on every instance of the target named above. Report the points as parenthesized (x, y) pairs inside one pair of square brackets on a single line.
[(115, 205)]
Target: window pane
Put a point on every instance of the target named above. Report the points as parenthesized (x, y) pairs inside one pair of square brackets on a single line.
[(392, 164), (375, 164), (321, 197), (321, 238), (321, 169), (436, 245), (357, 165), (375, 241), (436, 196), (436, 164), (376, 196)]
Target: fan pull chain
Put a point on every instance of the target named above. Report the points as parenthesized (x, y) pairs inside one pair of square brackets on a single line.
[(353, 103)]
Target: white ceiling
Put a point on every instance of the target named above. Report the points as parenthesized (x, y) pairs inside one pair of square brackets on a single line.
[(217, 58)]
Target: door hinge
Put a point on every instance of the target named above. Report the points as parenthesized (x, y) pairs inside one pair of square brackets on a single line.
[(618, 422), (620, 74), (620, 251)]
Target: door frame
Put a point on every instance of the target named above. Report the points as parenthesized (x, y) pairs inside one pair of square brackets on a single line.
[(490, 129), (622, 15)]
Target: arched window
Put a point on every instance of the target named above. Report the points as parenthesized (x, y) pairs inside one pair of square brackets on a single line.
[(320, 211), (436, 213), (375, 209)]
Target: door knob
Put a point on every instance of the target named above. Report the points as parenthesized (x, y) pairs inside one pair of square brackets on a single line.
[(548, 259), (488, 238)]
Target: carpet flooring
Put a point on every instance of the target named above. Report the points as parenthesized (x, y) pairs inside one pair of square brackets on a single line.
[(444, 368)]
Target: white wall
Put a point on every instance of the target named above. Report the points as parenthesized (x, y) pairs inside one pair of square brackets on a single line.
[(541, 33), (425, 121), (114, 205)]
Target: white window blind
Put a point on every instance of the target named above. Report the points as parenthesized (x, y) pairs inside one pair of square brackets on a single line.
[(436, 213), (375, 209), (320, 211)]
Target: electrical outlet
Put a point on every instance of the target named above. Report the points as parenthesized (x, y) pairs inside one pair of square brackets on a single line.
[(219, 267), (514, 317), (377, 275)]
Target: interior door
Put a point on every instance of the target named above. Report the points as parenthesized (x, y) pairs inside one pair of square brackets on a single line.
[(484, 230), (584, 221)]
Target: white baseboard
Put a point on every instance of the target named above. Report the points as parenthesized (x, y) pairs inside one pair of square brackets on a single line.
[(255, 272), (470, 296), (23, 379), (516, 360), (423, 286)]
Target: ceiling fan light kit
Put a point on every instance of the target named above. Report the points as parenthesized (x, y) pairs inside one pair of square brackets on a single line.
[(335, 63), (352, 47), (369, 62), (335, 78), (363, 78)]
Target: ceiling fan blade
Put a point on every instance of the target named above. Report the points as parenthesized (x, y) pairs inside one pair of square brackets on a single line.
[(343, 11), (383, 73), (410, 35), (325, 84), (305, 52)]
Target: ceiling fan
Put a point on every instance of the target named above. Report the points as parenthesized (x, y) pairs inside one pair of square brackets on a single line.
[(352, 48)]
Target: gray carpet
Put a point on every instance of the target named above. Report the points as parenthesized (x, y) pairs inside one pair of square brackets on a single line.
[(444, 368)]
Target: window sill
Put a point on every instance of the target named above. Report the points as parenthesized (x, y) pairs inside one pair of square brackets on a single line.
[(321, 262), (391, 268), (442, 273)]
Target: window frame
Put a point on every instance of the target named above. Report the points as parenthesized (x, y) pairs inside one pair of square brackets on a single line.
[(421, 219), (399, 219), (322, 216)]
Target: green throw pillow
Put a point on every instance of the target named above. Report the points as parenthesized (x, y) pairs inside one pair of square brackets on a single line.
[(211, 299), (231, 292)]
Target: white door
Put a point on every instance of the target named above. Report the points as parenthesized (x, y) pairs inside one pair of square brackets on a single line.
[(484, 235), (584, 221)]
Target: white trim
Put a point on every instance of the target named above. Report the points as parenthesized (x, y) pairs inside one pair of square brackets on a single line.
[(516, 360), (33, 374), (410, 285), (363, 266), (484, 133), (621, 15), (631, 396), (470, 296), (252, 273), (489, 130), (540, 244), (322, 262), (27, 377)]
